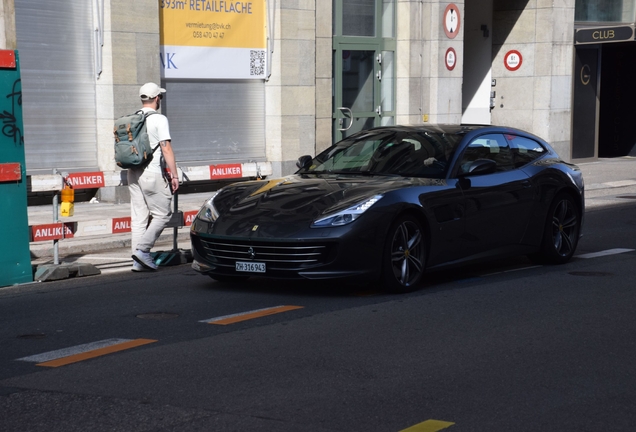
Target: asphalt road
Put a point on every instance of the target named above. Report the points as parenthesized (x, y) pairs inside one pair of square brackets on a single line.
[(507, 346)]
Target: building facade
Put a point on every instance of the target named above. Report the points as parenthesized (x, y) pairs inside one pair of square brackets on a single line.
[(271, 80)]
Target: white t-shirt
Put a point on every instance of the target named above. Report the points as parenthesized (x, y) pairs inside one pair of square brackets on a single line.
[(158, 130)]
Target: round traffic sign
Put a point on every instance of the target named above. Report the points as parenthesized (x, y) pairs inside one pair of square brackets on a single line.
[(451, 59), (513, 60), (452, 21)]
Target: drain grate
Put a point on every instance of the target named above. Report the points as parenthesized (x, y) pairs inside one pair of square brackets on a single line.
[(158, 315), (590, 273), (627, 196)]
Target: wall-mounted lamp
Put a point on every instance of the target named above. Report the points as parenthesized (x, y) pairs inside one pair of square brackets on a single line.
[(484, 29)]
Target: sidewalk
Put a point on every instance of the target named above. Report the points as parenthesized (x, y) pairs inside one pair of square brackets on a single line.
[(609, 182), (606, 180), (95, 212)]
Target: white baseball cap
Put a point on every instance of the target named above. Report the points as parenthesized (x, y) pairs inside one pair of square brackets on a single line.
[(150, 91)]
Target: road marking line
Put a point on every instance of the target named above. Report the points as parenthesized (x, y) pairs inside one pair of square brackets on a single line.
[(605, 253), (512, 270), (244, 316), (429, 426), (84, 352), (620, 183)]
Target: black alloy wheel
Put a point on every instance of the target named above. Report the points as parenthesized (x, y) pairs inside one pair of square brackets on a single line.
[(562, 229), (404, 256)]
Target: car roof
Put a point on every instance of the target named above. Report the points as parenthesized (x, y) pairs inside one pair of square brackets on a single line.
[(463, 129)]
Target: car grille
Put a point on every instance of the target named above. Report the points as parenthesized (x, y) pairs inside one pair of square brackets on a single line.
[(277, 255)]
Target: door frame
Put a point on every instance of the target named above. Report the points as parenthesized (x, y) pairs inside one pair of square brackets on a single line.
[(376, 43)]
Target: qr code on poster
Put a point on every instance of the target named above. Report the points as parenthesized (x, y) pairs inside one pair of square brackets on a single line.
[(257, 62)]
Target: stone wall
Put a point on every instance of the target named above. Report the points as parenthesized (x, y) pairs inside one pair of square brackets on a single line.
[(290, 92), (427, 92), (538, 96)]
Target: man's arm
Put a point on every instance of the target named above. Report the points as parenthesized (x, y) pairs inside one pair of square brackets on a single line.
[(168, 156)]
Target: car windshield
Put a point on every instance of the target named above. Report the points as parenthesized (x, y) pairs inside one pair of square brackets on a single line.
[(389, 152)]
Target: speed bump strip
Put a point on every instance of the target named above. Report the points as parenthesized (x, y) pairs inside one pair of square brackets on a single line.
[(244, 316), (79, 353)]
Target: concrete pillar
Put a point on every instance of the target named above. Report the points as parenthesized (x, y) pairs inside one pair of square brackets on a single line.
[(324, 76), (7, 25), (290, 92), (129, 59), (427, 92)]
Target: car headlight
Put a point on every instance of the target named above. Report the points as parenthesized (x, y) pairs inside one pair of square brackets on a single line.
[(208, 212), (347, 215)]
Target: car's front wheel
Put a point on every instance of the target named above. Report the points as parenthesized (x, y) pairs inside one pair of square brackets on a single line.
[(404, 255), (561, 232)]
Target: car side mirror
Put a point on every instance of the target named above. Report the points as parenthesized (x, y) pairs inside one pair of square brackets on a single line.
[(304, 161), (480, 167)]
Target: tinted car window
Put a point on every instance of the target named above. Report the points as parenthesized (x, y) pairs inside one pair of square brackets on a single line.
[(491, 146), (525, 150), (407, 153)]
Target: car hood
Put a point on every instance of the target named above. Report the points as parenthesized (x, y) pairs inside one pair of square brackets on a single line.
[(284, 207)]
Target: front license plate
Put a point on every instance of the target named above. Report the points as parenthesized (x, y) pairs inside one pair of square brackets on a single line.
[(251, 267)]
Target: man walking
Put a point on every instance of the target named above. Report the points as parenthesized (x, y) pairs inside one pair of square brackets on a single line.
[(150, 191)]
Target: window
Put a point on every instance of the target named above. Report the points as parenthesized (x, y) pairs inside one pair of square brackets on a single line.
[(409, 154), (524, 150), (604, 11), (493, 147)]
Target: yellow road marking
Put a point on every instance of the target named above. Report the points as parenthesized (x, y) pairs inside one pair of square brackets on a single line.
[(429, 426), (96, 353), (231, 319)]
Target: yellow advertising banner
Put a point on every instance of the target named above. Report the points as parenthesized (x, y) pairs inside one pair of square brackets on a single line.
[(213, 23)]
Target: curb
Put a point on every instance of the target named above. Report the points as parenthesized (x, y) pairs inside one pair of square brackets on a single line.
[(52, 272), (95, 245)]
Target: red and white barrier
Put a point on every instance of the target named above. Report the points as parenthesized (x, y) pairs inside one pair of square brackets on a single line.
[(66, 230), (99, 179), (92, 180)]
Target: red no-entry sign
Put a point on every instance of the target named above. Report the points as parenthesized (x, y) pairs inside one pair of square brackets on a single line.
[(513, 60)]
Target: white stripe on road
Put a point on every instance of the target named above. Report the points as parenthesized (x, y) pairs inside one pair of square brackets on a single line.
[(608, 185), (513, 270), (604, 253), (65, 352), (621, 183)]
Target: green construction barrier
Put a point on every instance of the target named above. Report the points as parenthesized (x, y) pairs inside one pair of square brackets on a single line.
[(15, 255)]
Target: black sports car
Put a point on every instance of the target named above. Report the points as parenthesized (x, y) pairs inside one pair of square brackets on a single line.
[(389, 203)]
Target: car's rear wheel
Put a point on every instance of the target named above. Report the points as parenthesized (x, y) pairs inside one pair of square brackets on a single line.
[(561, 232), (404, 255)]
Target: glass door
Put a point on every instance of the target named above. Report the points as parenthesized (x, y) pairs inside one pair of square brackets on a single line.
[(363, 69), (356, 79)]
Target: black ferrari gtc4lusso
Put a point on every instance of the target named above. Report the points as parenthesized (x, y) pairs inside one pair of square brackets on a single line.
[(390, 203)]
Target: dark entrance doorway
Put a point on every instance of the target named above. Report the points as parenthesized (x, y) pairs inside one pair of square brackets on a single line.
[(585, 107), (617, 130)]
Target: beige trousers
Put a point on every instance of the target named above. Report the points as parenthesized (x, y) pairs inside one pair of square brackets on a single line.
[(149, 196)]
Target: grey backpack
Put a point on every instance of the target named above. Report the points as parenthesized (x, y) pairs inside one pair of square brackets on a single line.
[(132, 144)]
